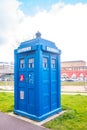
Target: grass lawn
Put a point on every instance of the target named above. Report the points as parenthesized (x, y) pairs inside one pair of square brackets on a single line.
[(6, 102), (6, 83), (64, 83), (75, 117), (74, 83)]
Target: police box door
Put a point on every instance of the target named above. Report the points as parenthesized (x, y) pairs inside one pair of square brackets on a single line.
[(50, 90), (22, 100), (26, 84), (30, 84)]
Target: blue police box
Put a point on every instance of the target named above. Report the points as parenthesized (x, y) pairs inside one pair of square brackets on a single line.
[(37, 92)]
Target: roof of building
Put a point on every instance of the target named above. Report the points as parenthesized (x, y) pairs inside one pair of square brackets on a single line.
[(74, 61), (38, 41)]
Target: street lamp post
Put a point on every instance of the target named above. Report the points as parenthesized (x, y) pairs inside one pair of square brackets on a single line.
[(3, 72)]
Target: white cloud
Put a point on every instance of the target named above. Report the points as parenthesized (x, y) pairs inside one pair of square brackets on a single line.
[(10, 17), (66, 25)]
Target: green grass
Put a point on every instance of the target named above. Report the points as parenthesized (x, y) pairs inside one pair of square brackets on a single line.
[(75, 117), (11, 83), (6, 83), (6, 102), (73, 83)]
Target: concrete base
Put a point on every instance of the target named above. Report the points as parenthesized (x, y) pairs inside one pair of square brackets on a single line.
[(37, 117), (35, 122)]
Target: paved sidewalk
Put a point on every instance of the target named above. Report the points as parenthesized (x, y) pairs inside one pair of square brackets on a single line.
[(74, 89), (7, 88), (8, 122)]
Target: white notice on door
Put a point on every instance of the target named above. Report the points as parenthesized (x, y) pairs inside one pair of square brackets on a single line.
[(21, 94)]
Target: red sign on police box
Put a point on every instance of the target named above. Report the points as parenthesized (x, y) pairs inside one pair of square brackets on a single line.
[(21, 77)]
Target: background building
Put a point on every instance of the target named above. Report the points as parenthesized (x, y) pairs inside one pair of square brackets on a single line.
[(76, 70), (6, 71)]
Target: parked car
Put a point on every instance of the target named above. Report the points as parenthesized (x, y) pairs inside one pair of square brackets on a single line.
[(69, 80)]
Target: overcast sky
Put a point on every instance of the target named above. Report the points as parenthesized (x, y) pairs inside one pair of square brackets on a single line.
[(61, 21)]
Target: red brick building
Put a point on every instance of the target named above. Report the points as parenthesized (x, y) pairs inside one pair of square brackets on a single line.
[(74, 70)]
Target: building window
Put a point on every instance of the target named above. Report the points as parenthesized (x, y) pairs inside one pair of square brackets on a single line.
[(22, 63), (53, 63), (45, 62), (31, 63)]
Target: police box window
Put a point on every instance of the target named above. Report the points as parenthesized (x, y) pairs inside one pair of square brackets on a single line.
[(31, 63), (22, 63), (45, 62), (53, 63)]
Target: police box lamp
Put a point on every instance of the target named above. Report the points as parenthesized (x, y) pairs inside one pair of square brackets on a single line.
[(38, 34), (37, 85)]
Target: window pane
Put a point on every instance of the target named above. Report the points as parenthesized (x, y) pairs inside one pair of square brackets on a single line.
[(31, 63), (22, 64), (45, 62), (53, 63)]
